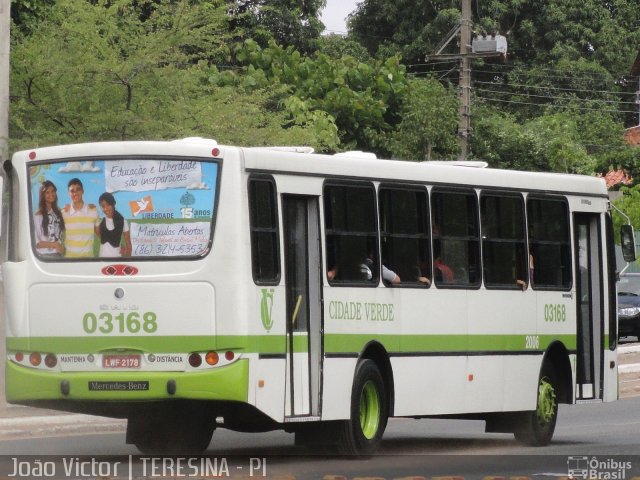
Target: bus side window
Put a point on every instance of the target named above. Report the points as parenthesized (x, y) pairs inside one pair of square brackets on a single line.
[(351, 233), (503, 241), (263, 219), (404, 230), (549, 243), (456, 239)]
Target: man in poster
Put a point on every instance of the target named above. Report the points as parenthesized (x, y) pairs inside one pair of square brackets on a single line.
[(79, 220)]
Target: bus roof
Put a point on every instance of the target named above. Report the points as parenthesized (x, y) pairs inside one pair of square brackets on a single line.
[(433, 173), (296, 161)]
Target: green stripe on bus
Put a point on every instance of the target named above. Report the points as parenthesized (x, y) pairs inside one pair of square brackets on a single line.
[(277, 344), (446, 343)]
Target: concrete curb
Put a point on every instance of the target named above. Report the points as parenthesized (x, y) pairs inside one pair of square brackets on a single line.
[(622, 349), (631, 368), (58, 425)]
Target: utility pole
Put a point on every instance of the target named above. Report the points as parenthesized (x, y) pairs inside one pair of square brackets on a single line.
[(5, 40), (480, 47), (464, 126)]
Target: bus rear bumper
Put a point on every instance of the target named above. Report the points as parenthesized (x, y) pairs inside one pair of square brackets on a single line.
[(224, 383)]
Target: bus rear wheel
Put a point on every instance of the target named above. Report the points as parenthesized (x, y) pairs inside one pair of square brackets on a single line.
[(362, 433), (537, 427), (169, 432)]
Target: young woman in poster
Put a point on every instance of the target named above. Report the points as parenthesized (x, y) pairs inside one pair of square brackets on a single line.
[(113, 229), (48, 223)]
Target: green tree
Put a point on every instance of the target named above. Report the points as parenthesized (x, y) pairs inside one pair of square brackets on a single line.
[(564, 142), (559, 137), (25, 14), (500, 140), (629, 203), (101, 72), (538, 31), (363, 99), (429, 122), (402, 27), (566, 69), (293, 23), (338, 46)]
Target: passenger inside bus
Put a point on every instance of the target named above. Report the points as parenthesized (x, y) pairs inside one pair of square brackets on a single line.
[(522, 283), (332, 272), (389, 275), (367, 268), (443, 272), (421, 275)]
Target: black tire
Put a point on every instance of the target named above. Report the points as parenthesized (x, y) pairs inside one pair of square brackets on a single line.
[(536, 427), (362, 433), (171, 433)]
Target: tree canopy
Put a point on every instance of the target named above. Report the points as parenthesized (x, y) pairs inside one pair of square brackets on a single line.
[(561, 99), (100, 71), (256, 72), (293, 23), (538, 32)]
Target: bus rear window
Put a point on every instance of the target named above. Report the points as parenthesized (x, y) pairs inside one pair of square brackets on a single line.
[(122, 207)]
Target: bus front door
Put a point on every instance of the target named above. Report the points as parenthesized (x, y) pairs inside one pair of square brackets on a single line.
[(590, 306), (304, 311)]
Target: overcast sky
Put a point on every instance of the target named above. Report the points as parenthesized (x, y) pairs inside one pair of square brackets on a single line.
[(335, 14)]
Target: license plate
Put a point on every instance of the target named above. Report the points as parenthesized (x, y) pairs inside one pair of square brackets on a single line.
[(121, 361)]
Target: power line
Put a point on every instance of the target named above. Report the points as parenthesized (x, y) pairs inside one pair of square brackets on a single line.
[(571, 107), (559, 76), (541, 87), (433, 72), (556, 73), (552, 97), (434, 62)]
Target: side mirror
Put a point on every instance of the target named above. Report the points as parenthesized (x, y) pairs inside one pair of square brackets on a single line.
[(628, 243)]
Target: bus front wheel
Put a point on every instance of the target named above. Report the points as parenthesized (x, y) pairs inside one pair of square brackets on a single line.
[(362, 433), (536, 427)]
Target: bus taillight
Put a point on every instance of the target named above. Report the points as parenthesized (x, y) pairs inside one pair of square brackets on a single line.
[(35, 359), (19, 357), (50, 360), (195, 360), (212, 358)]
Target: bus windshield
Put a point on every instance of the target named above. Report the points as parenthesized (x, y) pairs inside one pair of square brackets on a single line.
[(142, 207)]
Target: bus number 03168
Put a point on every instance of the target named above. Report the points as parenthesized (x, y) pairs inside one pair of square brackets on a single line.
[(131, 322), (554, 312)]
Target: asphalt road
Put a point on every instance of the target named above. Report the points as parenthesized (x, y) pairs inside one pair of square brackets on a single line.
[(411, 448)]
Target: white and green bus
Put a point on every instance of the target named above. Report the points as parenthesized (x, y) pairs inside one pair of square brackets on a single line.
[(187, 286)]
